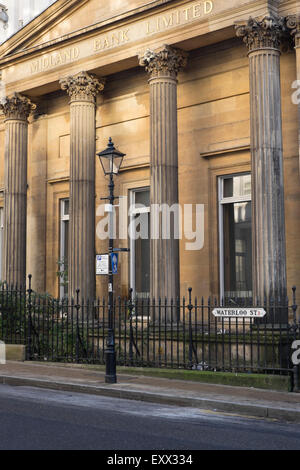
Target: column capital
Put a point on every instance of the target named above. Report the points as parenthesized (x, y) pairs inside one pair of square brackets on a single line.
[(293, 25), (82, 86), (17, 107), (261, 33), (168, 61)]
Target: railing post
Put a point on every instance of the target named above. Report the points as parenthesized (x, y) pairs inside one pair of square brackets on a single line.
[(296, 377), (190, 308), (296, 330), (130, 308), (77, 308), (29, 330)]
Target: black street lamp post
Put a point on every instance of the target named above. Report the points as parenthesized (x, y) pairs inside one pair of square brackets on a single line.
[(111, 161)]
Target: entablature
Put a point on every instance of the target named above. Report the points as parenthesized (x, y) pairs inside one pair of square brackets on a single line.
[(115, 44)]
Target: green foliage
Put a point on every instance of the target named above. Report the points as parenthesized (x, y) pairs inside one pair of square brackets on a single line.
[(56, 341), (12, 309), (17, 306), (63, 273)]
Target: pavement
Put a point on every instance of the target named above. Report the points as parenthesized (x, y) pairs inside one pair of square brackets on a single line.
[(282, 406)]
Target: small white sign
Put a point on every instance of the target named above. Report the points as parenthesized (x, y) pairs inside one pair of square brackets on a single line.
[(102, 265), (239, 312)]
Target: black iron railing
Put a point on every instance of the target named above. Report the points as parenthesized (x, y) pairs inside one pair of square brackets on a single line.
[(181, 333)]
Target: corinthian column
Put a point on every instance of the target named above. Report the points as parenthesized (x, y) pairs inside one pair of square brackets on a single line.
[(163, 66), (16, 110), (82, 89), (262, 38)]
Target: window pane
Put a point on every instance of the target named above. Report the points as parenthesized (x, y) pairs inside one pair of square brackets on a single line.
[(142, 264), (66, 206), (237, 250), (143, 197), (64, 247), (237, 186), (66, 241), (66, 251)]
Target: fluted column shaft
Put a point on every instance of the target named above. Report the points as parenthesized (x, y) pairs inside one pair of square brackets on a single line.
[(267, 174), (164, 183), (82, 89), (82, 200), (16, 110), (269, 252), (163, 67)]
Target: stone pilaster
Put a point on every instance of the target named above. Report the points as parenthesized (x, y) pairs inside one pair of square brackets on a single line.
[(82, 89), (293, 24), (163, 67), (16, 110), (262, 37)]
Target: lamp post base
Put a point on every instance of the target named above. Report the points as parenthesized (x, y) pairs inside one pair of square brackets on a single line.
[(110, 379), (110, 375), (110, 360)]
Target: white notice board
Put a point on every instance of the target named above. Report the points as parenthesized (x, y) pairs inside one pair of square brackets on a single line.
[(102, 265)]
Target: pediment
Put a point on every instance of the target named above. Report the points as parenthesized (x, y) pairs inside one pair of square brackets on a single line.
[(65, 18)]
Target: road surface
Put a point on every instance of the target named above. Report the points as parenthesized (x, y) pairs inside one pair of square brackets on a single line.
[(32, 419)]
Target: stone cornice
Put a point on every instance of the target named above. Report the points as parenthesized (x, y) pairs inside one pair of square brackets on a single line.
[(225, 151), (168, 61), (17, 107), (62, 179), (262, 33), (83, 86)]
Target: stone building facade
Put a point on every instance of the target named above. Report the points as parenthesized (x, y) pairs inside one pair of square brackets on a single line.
[(202, 97)]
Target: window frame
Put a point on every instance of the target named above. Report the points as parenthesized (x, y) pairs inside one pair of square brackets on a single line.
[(222, 201), (62, 251), (132, 213)]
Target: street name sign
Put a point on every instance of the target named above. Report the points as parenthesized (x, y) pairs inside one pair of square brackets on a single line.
[(239, 312)]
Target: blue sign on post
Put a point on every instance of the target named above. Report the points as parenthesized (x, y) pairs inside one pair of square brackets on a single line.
[(114, 262)]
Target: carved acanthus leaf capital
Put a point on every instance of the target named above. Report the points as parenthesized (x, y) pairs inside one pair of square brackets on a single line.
[(83, 86), (262, 33), (167, 61), (293, 24), (17, 107)]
